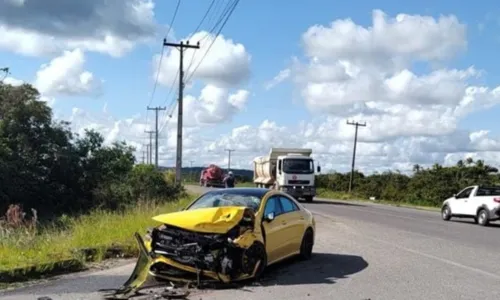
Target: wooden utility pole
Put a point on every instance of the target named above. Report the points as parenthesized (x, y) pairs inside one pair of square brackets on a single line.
[(156, 109), (150, 132), (351, 179), (143, 156), (181, 47), (148, 155), (229, 158)]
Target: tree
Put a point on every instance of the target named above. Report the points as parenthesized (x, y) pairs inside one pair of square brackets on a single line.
[(44, 166)]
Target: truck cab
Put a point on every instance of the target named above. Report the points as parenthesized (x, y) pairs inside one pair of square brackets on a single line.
[(290, 170), (295, 175)]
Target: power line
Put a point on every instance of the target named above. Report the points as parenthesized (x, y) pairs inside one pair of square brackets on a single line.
[(351, 179), (161, 56), (215, 38), (168, 115), (229, 158), (181, 47), (156, 109)]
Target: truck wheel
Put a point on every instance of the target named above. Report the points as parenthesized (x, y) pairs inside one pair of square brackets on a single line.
[(309, 198)]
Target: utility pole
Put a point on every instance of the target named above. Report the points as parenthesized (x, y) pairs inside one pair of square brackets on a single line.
[(143, 156), (181, 47), (150, 132), (351, 179), (191, 163), (229, 158), (148, 156), (156, 109)]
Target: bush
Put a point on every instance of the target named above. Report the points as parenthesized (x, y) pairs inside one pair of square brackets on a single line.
[(428, 186)]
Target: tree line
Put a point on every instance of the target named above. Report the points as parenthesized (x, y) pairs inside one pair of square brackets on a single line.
[(426, 186), (46, 167)]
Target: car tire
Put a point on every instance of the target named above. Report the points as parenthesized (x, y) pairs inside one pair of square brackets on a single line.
[(446, 213), (306, 247), (259, 249), (309, 199), (482, 217)]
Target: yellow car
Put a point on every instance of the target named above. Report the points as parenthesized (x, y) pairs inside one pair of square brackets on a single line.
[(224, 235)]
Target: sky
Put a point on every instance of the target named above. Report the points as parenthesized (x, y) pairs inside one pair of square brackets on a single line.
[(422, 75)]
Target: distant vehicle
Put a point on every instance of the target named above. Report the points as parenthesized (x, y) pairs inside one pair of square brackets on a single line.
[(224, 235), (212, 176), (290, 170), (481, 203)]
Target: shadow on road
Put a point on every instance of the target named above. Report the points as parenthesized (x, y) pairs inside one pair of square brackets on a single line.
[(332, 202), (471, 222), (322, 268)]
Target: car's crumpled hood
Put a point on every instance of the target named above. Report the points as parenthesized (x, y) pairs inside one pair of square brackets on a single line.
[(207, 220)]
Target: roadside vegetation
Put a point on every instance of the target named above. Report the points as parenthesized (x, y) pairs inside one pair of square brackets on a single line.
[(426, 187), (67, 198)]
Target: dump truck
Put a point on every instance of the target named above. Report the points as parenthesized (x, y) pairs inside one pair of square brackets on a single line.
[(290, 170), (212, 176)]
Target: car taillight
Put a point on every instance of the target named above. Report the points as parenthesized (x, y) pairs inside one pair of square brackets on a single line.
[(496, 199)]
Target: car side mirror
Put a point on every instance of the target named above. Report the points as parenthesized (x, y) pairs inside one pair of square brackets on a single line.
[(319, 169), (269, 217), (454, 195)]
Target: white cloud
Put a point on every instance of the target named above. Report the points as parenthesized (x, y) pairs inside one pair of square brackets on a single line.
[(113, 27), (350, 73), (227, 64), (282, 76), (13, 81), (64, 75)]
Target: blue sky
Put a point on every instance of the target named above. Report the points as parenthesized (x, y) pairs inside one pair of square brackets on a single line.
[(271, 32)]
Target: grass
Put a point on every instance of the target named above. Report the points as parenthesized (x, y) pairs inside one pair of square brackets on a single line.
[(49, 248), (324, 193)]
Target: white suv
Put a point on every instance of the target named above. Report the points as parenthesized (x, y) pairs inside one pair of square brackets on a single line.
[(480, 203)]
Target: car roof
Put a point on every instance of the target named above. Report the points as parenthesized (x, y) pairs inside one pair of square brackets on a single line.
[(256, 192)]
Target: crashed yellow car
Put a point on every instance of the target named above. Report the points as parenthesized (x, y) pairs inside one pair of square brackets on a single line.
[(224, 235)]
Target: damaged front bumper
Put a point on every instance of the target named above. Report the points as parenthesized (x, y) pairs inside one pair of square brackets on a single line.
[(154, 263)]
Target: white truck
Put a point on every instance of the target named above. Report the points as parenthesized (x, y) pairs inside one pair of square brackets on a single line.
[(481, 203), (290, 170)]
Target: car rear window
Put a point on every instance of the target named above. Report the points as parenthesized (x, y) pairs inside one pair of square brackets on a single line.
[(488, 191)]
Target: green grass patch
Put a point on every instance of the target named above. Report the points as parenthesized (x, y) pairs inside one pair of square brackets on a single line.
[(325, 193), (52, 248)]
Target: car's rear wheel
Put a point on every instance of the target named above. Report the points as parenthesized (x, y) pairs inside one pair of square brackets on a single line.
[(446, 213), (306, 247), (482, 217)]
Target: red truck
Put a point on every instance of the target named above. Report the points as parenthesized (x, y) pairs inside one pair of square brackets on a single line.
[(212, 176)]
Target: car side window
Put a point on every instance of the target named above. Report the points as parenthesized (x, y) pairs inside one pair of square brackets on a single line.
[(272, 205), (288, 205), (465, 193)]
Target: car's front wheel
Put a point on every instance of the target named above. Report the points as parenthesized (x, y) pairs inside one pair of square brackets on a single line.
[(446, 213), (306, 247), (254, 254)]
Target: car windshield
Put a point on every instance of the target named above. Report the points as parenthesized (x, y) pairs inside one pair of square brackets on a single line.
[(298, 166), (226, 199)]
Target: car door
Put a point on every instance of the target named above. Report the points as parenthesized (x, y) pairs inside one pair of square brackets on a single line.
[(293, 225), (275, 240), (461, 201)]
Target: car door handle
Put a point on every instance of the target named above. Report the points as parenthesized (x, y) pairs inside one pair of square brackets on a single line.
[(283, 222), (302, 218)]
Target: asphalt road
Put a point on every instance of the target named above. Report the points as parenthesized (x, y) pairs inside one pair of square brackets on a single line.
[(363, 251)]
